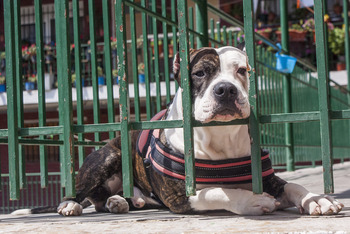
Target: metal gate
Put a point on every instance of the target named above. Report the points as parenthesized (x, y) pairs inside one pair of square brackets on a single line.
[(277, 120)]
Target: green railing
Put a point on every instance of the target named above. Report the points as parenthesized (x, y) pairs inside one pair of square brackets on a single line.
[(278, 121)]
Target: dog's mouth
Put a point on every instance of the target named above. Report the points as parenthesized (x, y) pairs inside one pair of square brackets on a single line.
[(225, 113)]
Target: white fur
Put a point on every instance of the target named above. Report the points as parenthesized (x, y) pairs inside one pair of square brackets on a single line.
[(22, 212), (238, 201), (311, 203), (224, 142), (231, 59), (70, 208), (216, 143), (117, 204)]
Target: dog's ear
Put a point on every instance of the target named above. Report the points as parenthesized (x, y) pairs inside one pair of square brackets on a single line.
[(176, 68), (241, 46), (176, 64)]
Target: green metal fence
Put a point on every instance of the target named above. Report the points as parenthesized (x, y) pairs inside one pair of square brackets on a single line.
[(292, 115)]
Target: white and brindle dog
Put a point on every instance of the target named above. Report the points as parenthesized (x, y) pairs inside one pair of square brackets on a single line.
[(220, 84)]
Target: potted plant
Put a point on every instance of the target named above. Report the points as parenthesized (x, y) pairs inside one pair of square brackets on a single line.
[(171, 49), (296, 33), (30, 82), (265, 32), (101, 78), (337, 45), (74, 80), (32, 53), (2, 61), (115, 76), (141, 71), (309, 26), (2, 83)]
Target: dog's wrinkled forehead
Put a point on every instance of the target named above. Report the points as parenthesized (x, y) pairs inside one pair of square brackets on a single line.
[(213, 60), (230, 57)]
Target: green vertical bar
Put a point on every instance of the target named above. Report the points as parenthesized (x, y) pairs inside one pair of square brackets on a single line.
[(41, 88), (186, 98), (134, 64), (18, 48), (60, 102), (156, 58), (347, 43), (174, 30), (212, 31), (230, 38), (78, 78), (190, 26), (202, 23), (323, 91), (65, 92), (11, 87), (325, 11), (94, 78), (347, 51), (224, 35), (108, 65), (166, 54), (218, 32), (253, 95), (124, 100), (146, 61), (235, 39), (286, 80)]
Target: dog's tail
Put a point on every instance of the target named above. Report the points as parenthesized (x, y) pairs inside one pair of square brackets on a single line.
[(46, 209), (38, 210)]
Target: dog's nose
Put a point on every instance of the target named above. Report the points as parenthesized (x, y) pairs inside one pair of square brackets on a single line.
[(225, 91)]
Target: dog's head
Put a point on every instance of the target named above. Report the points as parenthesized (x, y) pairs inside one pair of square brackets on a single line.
[(220, 83)]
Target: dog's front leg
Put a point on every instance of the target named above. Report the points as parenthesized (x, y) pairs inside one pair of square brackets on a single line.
[(238, 201), (311, 203)]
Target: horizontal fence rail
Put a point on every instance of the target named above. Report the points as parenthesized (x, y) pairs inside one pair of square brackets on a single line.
[(133, 62)]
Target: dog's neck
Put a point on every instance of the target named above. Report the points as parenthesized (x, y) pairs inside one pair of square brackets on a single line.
[(210, 143)]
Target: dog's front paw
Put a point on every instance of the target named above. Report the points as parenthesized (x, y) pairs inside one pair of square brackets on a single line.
[(70, 208), (315, 204), (117, 204), (259, 204)]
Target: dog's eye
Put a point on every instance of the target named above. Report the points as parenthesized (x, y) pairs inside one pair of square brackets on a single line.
[(199, 73), (242, 71)]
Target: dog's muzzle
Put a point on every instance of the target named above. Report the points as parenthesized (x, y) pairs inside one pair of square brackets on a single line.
[(226, 94)]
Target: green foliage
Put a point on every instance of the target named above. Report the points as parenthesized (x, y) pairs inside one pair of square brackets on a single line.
[(141, 68), (2, 79), (33, 78), (99, 71), (336, 40), (73, 77), (297, 27), (309, 25), (115, 72)]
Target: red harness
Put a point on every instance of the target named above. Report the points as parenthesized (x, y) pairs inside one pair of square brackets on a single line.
[(172, 164)]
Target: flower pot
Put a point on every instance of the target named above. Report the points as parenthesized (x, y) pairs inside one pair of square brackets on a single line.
[(29, 86), (294, 35), (341, 66), (285, 63), (265, 34), (48, 81), (101, 80), (171, 50), (142, 78), (2, 88), (116, 80)]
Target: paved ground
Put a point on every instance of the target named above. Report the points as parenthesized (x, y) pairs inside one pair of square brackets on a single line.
[(162, 221)]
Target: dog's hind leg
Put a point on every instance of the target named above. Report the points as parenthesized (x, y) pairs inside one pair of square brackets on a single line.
[(117, 205)]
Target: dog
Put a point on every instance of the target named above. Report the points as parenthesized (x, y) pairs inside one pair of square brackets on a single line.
[(219, 89)]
